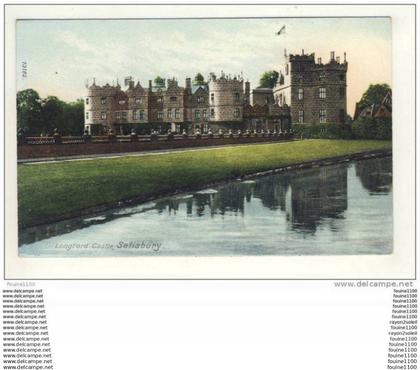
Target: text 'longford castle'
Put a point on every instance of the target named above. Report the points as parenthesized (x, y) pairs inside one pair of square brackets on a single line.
[(306, 92)]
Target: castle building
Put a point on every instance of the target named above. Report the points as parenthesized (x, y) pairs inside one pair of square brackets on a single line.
[(306, 92), (222, 103), (316, 92)]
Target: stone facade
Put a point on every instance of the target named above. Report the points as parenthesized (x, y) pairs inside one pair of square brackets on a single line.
[(226, 99), (306, 92), (316, 92), (223, 103)]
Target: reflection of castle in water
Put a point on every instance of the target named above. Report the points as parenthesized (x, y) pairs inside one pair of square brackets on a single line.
[(305, 198), (320, 194), (375, 175)]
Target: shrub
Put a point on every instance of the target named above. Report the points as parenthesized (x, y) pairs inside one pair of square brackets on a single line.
[(363, 128)]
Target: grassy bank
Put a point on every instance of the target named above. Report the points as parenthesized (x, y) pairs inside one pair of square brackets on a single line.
[(50, 190)]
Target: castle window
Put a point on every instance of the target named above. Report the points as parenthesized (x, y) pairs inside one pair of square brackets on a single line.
[(177, 113), (342, 92), (117, 115), (169, 113), (300, 94), (212, 98), (87, 100), (281, 80), (173, 98), (121, 102), (87, 115), (124, 115), (200, 99), (135, 115), (236, 113), (197, 114), (237, 96), (159, 99), (141, 115), (138, 101), (103, 101), (211, 112), (160, 115), (103, 115), (204, 114), (322, 92), (323, 116), (301, 116)]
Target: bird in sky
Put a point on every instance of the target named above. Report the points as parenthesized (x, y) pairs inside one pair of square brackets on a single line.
[(282, 30)]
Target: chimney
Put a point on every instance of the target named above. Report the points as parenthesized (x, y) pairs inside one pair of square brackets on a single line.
[(332, 55), (247, 88), (345, 57), (188, 83), (150, 85), (303, 52), (131, 84)]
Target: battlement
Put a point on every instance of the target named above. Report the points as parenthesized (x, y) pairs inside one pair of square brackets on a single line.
[(308, 60), (225, 79), (105, 90)]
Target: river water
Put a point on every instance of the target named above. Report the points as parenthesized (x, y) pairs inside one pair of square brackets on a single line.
[(331, 210)]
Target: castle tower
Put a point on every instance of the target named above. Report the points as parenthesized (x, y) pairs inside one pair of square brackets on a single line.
[(316, 92), (226, 98), (99, 107)]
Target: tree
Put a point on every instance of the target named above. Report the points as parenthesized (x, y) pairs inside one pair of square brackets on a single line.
[(53, 115), (38, 116), (28, 104), (199, 79), (73, 118), (159, 81), (269, 79), (374, 94)]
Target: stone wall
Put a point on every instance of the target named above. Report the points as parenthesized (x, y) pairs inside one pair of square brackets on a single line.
[(64, 150)]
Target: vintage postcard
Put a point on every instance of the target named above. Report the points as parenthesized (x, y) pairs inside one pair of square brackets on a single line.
[(271, 138)]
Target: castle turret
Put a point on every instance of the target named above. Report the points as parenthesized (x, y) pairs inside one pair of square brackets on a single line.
[(99, 106), (226, 99), (316, 92)]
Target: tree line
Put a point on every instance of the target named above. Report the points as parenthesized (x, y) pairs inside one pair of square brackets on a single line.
[(36, 116)]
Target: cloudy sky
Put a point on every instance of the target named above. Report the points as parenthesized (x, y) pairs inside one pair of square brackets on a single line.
[(61, 55)]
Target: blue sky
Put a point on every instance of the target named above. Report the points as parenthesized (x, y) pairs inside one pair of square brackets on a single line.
[(61, 55)]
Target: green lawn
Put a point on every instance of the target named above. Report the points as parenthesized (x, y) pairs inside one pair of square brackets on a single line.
[(52, 189)]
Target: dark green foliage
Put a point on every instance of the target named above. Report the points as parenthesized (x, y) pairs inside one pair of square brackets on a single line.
[(322, 131), (363, 128), (73, 117), (374, 94), (159, 81), (269, 79), (199, 80), (38, 116), (372, 128), (29, 106)]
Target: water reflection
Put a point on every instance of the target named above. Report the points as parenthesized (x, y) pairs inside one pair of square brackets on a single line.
[(303, 201), (375, 175), (320, 194)]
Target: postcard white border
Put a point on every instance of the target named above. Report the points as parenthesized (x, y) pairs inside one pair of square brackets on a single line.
[(398, 265)]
